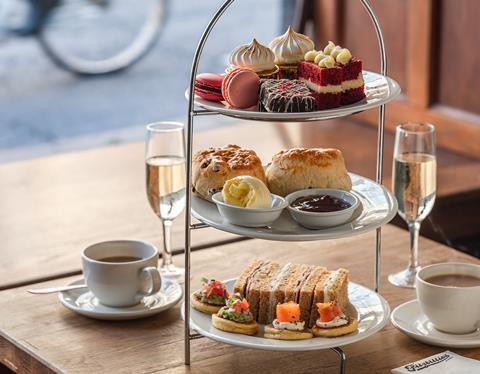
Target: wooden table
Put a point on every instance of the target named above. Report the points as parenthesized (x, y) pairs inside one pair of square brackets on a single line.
[(38, 335), (52, 207)]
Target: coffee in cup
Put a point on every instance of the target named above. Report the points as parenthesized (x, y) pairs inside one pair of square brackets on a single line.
[(120, 273), (449, 295)]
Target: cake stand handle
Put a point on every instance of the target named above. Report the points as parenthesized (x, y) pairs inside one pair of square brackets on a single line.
[(380, 135), (341, 354), (188, 183)]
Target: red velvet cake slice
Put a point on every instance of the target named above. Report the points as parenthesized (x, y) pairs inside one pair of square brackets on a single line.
[(324, 82), (353, 87)]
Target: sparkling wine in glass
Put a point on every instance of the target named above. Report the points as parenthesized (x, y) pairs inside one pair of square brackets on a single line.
[(414, 183), (165, 163)]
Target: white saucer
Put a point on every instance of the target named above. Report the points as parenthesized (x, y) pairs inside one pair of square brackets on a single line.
[(83, 302), (409, 318)]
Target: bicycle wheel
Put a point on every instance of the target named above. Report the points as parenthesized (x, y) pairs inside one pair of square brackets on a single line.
[(93, 37)]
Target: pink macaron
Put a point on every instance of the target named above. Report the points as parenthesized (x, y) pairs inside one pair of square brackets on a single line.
[(240, 88), (209, 86)]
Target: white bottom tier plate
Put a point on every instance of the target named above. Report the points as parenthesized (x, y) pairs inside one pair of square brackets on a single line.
[(373, 312), (378, 90), (377, 207)]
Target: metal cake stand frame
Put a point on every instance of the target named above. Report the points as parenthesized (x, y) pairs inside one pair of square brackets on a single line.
[(192, 112)]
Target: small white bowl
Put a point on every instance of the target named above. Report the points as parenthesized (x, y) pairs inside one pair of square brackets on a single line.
[(250, 217), (318, 220)]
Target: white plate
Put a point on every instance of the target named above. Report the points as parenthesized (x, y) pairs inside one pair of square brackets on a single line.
[(377, 207), (409, 319), (378, 89), (83, 302), (372, 310)]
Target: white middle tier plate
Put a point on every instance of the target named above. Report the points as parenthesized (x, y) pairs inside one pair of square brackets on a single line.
[(372, 310), (377, 207), (378, 90)]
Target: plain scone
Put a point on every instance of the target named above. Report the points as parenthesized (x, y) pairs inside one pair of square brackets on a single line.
[(301, 168), (212, 167)]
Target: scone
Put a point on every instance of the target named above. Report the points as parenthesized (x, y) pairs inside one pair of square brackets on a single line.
[(212, 167), (301, 168)]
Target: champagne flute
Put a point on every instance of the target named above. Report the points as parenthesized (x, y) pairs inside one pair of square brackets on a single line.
[(414, 183), (165, 163)]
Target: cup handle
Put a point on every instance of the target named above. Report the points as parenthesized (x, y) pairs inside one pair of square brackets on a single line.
[(153, 274)]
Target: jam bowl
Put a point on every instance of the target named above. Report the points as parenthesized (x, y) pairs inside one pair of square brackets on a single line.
[(250, 217), (317, 208)]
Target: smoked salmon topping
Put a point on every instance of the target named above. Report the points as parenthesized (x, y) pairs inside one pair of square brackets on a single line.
[(328, 311), (288, 312)]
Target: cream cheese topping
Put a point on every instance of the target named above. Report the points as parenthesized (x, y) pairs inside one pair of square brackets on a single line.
[(322, 89), (344, 56), (335, 51), (298, 326), (310, 55), (290, 47), (329, 47), (319, 57), (254, 56), (327, 62), (337, 321)]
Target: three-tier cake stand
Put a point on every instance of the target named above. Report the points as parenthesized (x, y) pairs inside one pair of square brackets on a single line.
[(196, 107)]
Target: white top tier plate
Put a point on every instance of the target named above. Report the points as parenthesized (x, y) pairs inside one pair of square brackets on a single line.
[(372, 311), (378, 90), (377, 207)]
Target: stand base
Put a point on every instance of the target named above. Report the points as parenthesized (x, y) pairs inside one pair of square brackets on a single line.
[(337, 350), (405, 278), (173, 273)]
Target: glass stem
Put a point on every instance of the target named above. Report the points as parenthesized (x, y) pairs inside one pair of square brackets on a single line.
[(167, 243), (414, 229)]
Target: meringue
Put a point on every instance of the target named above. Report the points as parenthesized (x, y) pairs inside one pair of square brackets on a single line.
[(253, 56), (290, 47)]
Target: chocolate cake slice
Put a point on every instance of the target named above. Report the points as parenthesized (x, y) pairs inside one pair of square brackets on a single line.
[(285, 96)]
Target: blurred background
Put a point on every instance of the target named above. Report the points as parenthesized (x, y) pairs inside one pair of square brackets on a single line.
[(45, 109), (432, 48)]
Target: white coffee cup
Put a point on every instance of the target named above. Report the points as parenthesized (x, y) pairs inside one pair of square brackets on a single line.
[(121, 284), (451, 309)]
